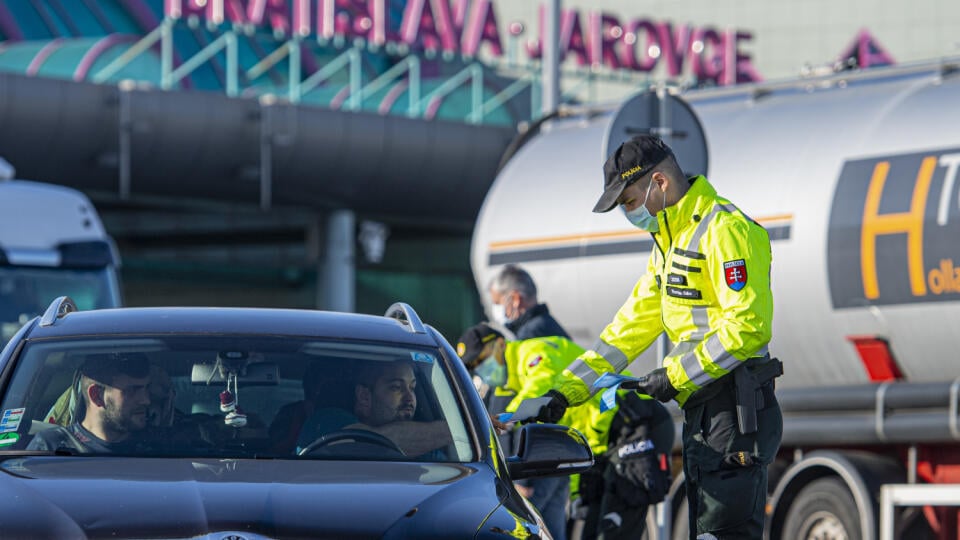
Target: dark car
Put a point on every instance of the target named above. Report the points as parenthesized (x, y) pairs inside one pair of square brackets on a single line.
[(256, 423)]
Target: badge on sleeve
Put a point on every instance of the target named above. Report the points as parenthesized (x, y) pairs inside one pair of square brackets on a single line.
[(535, 361), (735, 273)]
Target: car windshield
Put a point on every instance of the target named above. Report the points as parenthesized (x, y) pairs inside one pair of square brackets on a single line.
[(234, 397)]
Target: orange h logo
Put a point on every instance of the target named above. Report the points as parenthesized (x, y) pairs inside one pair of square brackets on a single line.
[(909, 223)]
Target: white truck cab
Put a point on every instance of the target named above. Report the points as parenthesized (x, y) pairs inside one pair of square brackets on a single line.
[(52, 243)]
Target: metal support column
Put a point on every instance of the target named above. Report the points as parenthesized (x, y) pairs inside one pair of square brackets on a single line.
[(550, 59), (266, 151), (166, 53), (665, 129), (125, 125), (339, 281)]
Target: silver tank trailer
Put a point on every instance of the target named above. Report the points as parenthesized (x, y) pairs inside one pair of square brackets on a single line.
[(800, 157)]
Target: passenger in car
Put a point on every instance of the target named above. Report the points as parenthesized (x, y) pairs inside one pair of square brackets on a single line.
[(114, 396), (161, 411), (64, 409)]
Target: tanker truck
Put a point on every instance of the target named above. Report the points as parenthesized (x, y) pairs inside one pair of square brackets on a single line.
[(854, 176)]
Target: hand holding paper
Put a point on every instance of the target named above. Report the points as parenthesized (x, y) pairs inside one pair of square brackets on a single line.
[(528, 409), (547, 408)]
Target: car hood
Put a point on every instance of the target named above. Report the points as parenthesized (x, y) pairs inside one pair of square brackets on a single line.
[(60, 497)]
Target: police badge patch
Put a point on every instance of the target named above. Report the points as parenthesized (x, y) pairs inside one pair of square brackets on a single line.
[(735, 273)]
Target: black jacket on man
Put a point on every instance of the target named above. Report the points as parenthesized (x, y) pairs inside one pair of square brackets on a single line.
[(536, 322)]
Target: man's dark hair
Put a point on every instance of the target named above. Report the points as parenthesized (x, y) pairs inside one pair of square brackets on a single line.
[(368, 372), (103, 367), (513, 278), (671, 168)]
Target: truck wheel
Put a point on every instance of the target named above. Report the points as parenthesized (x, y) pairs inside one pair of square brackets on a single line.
[(823, 510)]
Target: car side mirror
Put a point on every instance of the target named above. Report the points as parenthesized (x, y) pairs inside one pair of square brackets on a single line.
[(549, 450)]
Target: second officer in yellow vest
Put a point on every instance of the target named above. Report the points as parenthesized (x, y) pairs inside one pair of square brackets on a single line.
[(620, 488)]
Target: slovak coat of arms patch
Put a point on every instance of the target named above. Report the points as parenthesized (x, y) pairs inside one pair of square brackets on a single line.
[(735, 273)]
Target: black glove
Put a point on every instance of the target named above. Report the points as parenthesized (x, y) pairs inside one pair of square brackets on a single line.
[(554, 410), (654, 384)]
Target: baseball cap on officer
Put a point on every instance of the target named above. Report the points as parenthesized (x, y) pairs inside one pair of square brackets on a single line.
[(473, 340), (627, 164)]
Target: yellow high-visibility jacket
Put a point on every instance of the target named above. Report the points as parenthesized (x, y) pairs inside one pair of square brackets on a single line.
[(707, 286), (532, 367)]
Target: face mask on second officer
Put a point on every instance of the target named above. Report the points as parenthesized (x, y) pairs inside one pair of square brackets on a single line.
[(481, 349), (491, 371)]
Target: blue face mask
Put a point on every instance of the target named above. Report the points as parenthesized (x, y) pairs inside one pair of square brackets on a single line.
[(491, 372), (640, 217)]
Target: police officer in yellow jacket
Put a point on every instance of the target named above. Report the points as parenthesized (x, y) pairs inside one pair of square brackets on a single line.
[(707, 285), (517, 370), (529, 368)]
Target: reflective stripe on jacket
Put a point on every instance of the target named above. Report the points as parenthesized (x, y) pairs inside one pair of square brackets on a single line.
[(707, 286)]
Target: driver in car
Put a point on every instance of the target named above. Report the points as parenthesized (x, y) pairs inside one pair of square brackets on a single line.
[(385, 402), (115, 403)]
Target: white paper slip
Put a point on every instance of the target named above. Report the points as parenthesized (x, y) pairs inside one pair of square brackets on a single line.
[(528, 409)]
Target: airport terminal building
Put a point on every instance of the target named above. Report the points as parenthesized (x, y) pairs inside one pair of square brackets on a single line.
[(335, 153), (703, 43)]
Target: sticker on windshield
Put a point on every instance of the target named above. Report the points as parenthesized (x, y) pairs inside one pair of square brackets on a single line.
[(9, 439), (422, 357), (10, 420)]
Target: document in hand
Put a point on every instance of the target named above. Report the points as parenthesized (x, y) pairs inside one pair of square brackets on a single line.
[(528, 410)]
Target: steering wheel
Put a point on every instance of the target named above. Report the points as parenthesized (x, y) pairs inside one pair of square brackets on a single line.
[(356, 435)]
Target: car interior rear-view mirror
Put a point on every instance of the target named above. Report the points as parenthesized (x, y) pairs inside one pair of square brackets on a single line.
[(253, 374)]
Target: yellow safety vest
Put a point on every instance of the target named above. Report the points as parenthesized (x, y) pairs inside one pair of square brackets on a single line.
[(707, 286), (532, 368)]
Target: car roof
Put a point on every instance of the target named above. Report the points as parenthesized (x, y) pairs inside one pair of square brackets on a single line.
[(237, 321)]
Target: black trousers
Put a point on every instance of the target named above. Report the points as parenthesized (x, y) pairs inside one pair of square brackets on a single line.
[(725, 470), (609, 517)]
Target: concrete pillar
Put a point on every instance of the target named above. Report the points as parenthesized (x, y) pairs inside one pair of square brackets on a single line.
[(550, 66), (338, 282)]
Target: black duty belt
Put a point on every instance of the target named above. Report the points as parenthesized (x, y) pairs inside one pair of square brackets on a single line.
[(751, 384)]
